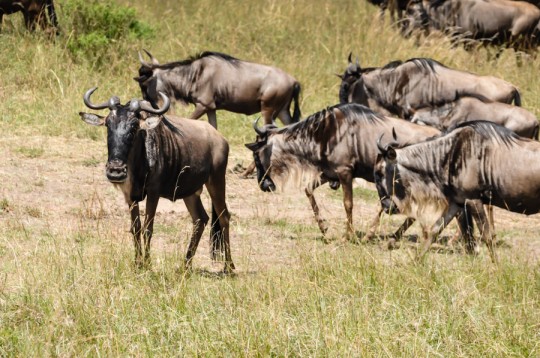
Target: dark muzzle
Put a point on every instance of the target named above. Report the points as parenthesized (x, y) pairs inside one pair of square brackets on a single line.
[(389, 207), (267, 185), (116, 171)]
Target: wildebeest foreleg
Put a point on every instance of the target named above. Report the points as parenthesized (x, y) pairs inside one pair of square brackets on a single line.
[(345, 179), (148, 228), (320, 221), (431, 233), (136, 231), (199, 218)]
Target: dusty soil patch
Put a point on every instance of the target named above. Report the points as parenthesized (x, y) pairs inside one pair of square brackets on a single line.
[(57, 186)]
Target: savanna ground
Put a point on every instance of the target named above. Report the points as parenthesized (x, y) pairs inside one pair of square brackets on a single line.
[(67, 282)]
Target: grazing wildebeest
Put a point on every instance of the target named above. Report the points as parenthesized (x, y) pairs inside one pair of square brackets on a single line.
[(477, 160), (335, 144), (512, 23), (154, 156), (399, 88), (466, 109), (213, 81), (34, 12)]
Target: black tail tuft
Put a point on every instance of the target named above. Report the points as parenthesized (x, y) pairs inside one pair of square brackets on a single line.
[(517, 98), (296, 93), (217, 246)]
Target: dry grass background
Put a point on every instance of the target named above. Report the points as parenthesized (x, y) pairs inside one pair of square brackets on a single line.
[(67, 283)]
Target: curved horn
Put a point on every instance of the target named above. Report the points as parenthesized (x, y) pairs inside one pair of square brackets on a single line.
[(166, 104), (379, 145), (89, 104), (350, 57), (357, 62), (147, 64), (154, 60), (260, 132)]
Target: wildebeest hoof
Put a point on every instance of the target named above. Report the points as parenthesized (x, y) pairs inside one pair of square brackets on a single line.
[(334, 184), (392, 244)]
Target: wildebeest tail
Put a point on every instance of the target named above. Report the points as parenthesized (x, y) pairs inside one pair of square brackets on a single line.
[(52, 13), (517, 98), (296, 94), (217, 246)]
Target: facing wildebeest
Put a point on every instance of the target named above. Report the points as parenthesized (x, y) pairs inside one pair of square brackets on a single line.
[(399, 88), (477, 160), (34, 12), (153, 156), (213, 81), (501, 22), (335, 144), (467, 109)]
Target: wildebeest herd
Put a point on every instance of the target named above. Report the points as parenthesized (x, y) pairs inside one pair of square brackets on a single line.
[(438, 143), (513, 24)]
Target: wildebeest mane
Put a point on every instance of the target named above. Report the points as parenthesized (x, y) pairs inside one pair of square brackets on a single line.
[(309, 126), (230, 59), (489, 130), (392, 64), (426, 64)]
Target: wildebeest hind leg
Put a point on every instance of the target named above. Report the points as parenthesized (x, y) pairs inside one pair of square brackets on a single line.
[(220, 232), (199, 218)]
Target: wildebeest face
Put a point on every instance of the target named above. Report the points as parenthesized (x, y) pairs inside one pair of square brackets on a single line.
[(149, 84), (381, 183), (122, 127), (352, 73), (262, 155), (123, 124)]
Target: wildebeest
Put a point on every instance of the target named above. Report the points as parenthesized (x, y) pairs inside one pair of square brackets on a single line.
[(152, 156), (213, 81), (34, 12), (513, 23), (477, 160), (399, 88), (335, 144), (466, 109)]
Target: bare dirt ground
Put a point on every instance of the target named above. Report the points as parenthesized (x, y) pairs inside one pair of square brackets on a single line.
[(57, 186)]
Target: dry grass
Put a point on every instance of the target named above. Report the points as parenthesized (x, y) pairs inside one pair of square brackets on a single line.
[(67, 283)]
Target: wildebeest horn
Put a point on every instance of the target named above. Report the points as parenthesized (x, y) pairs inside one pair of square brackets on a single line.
[(379, 146), (147, 64), (259, 131), (350, 57), (357, 62), (86, 99), (154, 60), (166, 104)]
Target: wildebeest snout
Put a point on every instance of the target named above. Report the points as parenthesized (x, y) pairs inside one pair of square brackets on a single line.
[(267, 185), (116, 171)]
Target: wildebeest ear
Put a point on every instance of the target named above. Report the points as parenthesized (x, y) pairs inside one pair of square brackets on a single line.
[(150, 122), (93, 119), (254, 146)]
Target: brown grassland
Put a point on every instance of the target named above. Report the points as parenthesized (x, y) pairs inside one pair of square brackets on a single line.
[(68, 286)]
